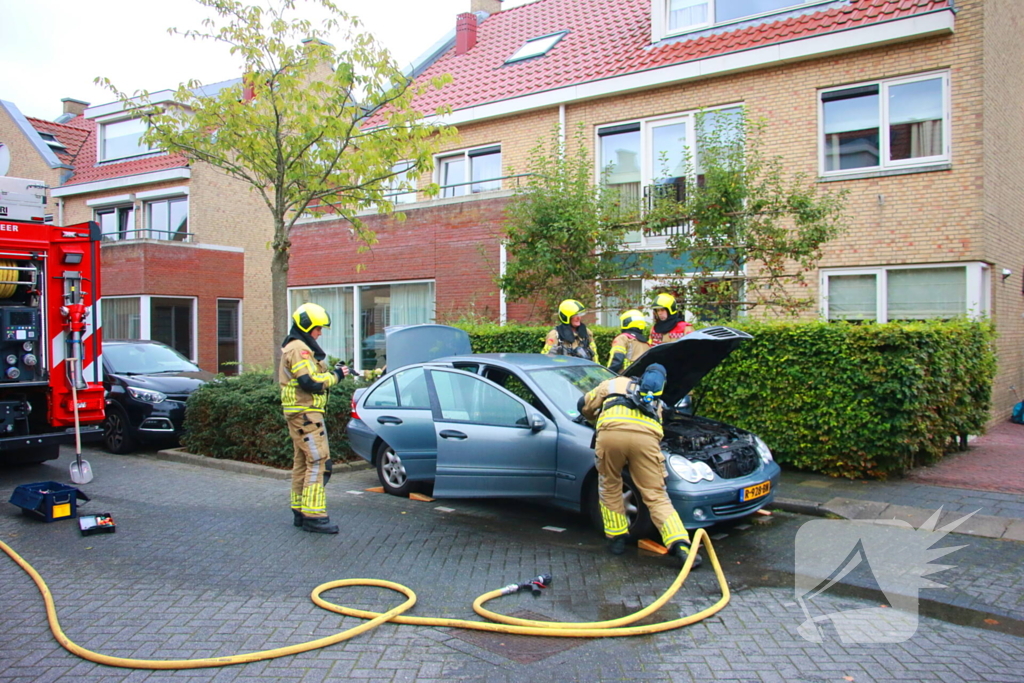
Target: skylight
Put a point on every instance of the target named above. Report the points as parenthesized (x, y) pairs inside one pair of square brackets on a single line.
[(535, 47), (52, 141)]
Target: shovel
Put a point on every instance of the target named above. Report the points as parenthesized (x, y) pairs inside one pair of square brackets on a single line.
[(81, 470)]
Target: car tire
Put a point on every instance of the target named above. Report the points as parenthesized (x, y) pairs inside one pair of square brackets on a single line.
[(117, 433), (640, 525), (391, 473)]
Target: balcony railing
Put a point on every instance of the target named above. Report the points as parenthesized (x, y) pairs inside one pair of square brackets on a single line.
[(142, 234)]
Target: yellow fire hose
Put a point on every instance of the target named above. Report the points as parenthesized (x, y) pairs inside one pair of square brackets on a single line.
[(526, 627)]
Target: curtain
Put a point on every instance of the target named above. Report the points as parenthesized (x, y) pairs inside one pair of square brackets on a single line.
[(919, 293), (337, 301), (852, 297), (120, 318), (412, 304)]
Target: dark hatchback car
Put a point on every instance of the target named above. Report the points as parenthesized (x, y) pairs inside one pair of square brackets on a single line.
[(147, 385)]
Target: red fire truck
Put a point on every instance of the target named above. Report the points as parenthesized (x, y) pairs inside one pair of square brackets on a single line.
[(49, 328)]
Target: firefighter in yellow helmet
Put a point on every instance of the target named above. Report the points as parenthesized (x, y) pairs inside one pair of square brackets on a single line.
[(571, 337), (630, 343), (668, 320), (305, 380), (627, 412)]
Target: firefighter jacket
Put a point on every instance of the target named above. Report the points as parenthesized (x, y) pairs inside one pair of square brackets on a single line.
[(566, 340), (677, 331), (626, 348), (607, 404), (300, 395)]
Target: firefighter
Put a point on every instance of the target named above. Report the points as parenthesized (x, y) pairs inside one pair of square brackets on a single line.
[(305, 380), (628, 420), (668, 320), (571, 337), (630, 343)]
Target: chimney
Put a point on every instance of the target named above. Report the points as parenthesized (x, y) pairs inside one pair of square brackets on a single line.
[(465, 33), (74, 107), (489, 6)]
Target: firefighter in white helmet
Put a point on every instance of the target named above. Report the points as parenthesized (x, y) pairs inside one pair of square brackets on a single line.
[(571, 337), (631, 342), (305, 379)]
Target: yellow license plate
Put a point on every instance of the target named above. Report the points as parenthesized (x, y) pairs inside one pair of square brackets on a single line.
[(755, 491)]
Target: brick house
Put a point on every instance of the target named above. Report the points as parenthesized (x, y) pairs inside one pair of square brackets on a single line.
[(183, 253), (913, 106)]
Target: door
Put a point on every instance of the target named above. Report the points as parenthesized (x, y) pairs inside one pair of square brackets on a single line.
[(485, 444), (398, 411), (171, 323)]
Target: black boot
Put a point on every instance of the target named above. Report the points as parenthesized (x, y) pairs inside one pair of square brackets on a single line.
[(319, 525), (682, 550), (617, 545), (297, 521)]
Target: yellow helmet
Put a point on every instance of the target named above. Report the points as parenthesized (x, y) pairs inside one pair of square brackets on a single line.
[(666, 301), (633, 320), (308, 316), (568, 308)]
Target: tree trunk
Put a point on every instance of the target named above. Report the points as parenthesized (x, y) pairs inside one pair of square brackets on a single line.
[(279, 299)]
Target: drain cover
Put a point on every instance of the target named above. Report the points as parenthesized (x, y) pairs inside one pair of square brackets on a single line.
[(522, 649)]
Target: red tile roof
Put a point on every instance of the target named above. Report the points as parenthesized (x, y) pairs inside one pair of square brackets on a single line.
[(78, 135), (612, 38)]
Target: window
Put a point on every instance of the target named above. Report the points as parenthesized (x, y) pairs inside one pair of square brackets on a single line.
[(167, 219), (122, 139), (412, 388), (228, 336), (167, 320), (121, 317), (652, 156), (889, 124), (484, 171), (536, 47), (117, 223), (397, 186), (51, 140), (467, 398), (684, 15), (368, 310), (905, 293)]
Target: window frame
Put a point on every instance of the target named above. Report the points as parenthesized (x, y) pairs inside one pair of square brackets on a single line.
[(978, 286), (117, 209), (661, 8), (393, 192), (467, 187), (552, 39), (885, 164), (146, 317), (101, 141), (169, 235)]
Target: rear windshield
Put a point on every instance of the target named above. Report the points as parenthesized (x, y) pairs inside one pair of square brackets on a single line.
[(146, 359), (565, 384)]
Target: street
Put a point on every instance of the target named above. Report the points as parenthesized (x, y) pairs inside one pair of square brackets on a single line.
[(206, 562)]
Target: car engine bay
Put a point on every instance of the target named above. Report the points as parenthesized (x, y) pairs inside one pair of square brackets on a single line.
[(728, 451)]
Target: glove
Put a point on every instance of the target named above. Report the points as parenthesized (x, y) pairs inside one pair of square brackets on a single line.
[(341, 370)]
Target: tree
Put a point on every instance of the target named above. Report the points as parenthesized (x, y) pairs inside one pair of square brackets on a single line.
[(309, 128), (750, 230), (563, 234)]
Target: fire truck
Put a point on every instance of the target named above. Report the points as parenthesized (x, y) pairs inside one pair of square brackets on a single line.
[(49, 328)]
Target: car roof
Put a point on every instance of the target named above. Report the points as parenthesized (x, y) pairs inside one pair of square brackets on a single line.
[(524, 361)]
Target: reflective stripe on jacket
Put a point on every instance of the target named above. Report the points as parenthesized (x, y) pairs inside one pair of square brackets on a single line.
[(296, 360), (625, 349), (596, 409)]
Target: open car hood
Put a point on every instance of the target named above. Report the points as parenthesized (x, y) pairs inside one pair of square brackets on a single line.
[(408, 344), (689, 359)]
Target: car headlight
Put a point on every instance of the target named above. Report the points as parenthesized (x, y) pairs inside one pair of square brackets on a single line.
[(147, 395), (763, 450), (689, 470)]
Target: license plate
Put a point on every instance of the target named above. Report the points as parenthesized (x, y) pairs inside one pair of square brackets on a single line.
[(755, 491)]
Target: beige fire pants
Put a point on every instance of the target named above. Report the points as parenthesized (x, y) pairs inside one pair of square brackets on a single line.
[(309, 438)]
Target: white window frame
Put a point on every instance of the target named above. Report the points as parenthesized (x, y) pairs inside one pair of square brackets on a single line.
[(884, 163), (148, 201), (660, 20), (101, 140), (537, 47), (978, 283), (116, 208), (467, 185), (241, 328), (648, 285), (393, 192), (647, 178), (145, 316)]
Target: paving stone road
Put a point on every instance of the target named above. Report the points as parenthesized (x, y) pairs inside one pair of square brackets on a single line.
[(206, 563)]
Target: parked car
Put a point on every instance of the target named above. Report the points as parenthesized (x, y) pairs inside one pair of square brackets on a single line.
[(507, 425), (147, 384)]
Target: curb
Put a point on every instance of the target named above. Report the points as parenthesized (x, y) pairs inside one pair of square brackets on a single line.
[(239, 467)]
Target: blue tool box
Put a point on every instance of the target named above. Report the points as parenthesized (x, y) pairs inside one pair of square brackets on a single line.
[(48, 500)]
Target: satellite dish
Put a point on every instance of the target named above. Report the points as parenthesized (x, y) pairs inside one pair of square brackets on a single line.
[(5, 158)]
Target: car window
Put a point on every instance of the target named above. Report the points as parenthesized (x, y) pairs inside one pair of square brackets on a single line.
[(145, 359), (412, 388), (384, 396), (467, 398), (565, 384), (512, 383)]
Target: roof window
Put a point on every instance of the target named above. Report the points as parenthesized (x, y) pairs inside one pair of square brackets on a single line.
[(51, 140), (536, 47)]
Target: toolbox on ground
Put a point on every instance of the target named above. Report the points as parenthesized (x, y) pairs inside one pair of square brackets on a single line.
[(48, 500), (100, 523)]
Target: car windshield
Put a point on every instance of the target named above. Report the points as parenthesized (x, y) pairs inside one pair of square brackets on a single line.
[(145, 359), (565, 384)]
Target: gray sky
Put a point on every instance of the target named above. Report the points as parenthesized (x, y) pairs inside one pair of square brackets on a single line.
[(50, 49)]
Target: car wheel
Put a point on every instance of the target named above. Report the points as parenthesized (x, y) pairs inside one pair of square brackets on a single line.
[(391, 472), (117, 435), (640, 525)]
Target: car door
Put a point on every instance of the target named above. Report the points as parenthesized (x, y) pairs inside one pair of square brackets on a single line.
[(398, 411), (489, 442)]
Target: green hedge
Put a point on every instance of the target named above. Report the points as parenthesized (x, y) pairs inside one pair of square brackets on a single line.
[(841, 399), (856, 400)]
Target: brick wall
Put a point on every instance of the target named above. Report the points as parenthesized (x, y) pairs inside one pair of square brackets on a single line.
[(26, 162)]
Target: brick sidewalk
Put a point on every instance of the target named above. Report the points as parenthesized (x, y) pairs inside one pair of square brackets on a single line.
[(993, 462)]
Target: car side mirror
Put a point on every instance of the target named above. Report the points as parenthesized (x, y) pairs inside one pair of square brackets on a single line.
[(537, 422)]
